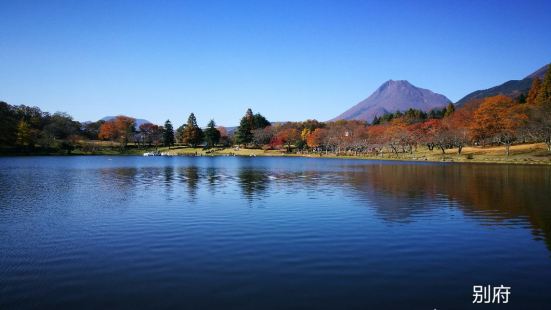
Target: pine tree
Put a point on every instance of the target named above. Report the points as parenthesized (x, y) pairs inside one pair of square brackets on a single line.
[(260, 122), (244, 133), (544, 94), (168, 134), (534, 90), (212, 135), (192, 135)]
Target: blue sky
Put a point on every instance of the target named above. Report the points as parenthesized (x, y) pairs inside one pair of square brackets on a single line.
[(289, 60)]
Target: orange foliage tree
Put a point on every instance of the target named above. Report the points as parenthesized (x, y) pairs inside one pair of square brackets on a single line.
[(498, 119), (315, 138), (287, 137), (119, 129)]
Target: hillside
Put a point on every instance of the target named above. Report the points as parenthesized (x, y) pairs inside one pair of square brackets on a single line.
[(512, 88)]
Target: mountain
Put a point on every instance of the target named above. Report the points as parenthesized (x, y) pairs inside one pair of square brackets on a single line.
[(394, 96), (139, 121), (512, 88)]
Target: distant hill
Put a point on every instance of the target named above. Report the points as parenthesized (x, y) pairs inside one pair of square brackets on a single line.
[(139, 121), (391, 97), (512, 88)]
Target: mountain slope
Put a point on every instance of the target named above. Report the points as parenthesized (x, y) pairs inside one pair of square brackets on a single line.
[(512, 88), (394, 96)]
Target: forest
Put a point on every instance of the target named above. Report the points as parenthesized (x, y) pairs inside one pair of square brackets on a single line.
[(492, 121)]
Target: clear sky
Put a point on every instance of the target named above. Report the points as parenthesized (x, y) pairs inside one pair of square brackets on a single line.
[(289, 60)]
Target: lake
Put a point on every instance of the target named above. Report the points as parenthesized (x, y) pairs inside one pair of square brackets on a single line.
[(270, 233)]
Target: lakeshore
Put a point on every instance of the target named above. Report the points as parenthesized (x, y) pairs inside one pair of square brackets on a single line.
[(525, 154)]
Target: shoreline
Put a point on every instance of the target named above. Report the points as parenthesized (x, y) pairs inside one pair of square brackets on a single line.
[(419, 156)]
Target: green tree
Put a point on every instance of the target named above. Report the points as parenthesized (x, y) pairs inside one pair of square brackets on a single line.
[(244, 133), (212, 135), (168, 134), (250, 122), (61, 126), (544, 94), (260, 122), (8, 125), (192, 134)]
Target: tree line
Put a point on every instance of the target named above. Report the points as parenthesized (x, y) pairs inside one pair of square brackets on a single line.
[(490, 121)]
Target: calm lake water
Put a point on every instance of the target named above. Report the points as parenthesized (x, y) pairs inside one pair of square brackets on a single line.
[(270, 233)]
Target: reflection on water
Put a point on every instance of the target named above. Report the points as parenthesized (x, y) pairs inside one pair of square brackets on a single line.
[(250, 230), (397, 192)]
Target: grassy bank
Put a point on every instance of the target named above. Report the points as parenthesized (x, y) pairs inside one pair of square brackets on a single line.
[(519, 154)]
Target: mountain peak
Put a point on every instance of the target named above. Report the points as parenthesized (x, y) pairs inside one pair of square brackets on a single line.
[(392, 96), (396, 82)]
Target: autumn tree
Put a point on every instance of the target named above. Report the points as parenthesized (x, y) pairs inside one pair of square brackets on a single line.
[(120, 129), (544, 93), (151, 134), (192, 135), (498, 119), (458, 125), (263, 136), (168, 134), (180, 133), (428, 132), (107, 131), (539, 125), (24, 135), (288, 137), (377, 138), (315, 138), (224, 136), (145, 131), (212, 135), (534, 91)]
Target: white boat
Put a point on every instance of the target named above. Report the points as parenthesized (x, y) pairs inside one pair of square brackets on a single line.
[(151, 154)]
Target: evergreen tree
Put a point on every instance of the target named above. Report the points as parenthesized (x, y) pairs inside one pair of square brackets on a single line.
[(212, 135), (260, 122), (521, 98), (449, 109), (544, 94), (192, 134), (244, 133), (534, 90), (168, 134)]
